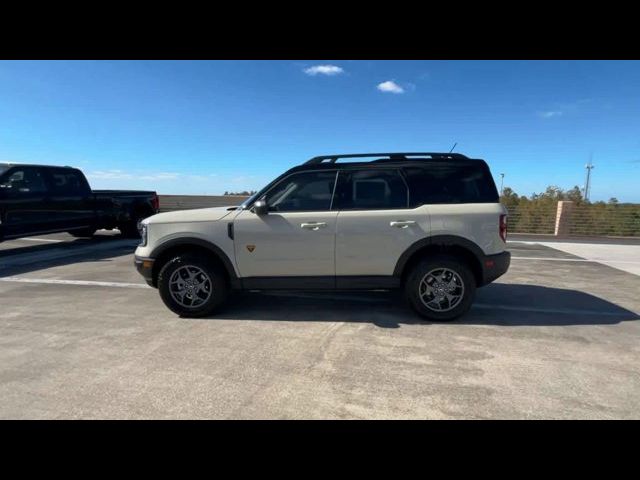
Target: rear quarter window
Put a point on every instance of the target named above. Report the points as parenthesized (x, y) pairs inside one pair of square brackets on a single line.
[(66, 181), (440, 183)]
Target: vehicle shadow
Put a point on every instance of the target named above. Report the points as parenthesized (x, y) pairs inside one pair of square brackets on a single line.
[(496, 304), (30, 258)]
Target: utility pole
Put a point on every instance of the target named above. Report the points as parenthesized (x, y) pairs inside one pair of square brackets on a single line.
[(587, 184), (501, 184)]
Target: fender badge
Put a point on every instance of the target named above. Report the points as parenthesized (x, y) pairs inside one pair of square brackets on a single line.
[(251, 248)]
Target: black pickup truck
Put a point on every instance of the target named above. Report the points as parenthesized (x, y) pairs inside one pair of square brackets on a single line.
[(38, 199)]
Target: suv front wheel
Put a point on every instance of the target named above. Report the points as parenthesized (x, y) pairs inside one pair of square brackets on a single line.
[(440, 288), (192, 285)]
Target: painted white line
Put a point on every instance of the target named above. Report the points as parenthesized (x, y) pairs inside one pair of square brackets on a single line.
[(56, 253), (485, 306), (90, 283), (563, 311), (577, 260), (554, 259), (612, 255), (34, 239)]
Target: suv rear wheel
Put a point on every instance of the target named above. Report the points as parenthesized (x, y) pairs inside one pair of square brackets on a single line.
[(440, 288), (192, 285)]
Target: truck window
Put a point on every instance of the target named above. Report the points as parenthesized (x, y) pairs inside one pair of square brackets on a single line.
[(24, 181), (67, 182), (459, 182)]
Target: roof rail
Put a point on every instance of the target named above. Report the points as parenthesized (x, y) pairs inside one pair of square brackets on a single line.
[(390, 156)]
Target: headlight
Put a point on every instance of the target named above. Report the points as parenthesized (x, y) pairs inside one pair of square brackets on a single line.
[(143, 235)]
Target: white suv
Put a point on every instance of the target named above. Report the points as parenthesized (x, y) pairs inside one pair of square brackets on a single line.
[(429, 223)]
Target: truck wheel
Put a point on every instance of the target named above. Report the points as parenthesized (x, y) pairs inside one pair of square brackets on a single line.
[(440, 288), (192, 285), (83, 233)]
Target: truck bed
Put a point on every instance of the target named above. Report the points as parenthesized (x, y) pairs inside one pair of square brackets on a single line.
[(124, 193)]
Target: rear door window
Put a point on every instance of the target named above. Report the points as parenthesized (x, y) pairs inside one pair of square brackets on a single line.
[(371, 189), (438, 183), (66, 182)]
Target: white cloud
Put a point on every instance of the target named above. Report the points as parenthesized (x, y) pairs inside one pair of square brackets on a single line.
[(550, 114), (161, 176), (109, 175), (390, 86), (146, 176), (329, 70)]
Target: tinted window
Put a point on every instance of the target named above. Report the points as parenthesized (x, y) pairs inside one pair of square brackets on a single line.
[(310, 191), (450, 183), (24, 181), (371, 190), (66, 182)]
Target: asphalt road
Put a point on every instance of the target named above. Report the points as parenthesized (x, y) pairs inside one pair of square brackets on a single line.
[(82, 336)]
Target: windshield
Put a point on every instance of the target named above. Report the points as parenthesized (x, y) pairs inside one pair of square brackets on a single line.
[(3, 168)]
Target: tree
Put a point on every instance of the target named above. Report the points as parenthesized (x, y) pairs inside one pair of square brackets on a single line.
[(509, 198), (575, 195)]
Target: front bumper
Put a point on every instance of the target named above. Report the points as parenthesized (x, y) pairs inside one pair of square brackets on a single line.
[(145, 268), (493, 266)]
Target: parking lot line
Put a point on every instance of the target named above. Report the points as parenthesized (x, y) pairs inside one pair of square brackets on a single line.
[(54, 281), (34, 239), (555, 259)]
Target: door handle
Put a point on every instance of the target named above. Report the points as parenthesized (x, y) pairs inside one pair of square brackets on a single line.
[(313, 225), (401, 223)]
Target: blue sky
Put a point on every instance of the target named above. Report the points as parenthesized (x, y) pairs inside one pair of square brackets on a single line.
[(202, 127)]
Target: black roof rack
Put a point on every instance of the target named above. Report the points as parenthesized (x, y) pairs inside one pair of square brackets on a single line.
[(395, 156)]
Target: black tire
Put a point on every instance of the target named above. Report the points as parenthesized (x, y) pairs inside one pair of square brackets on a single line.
[(217, 293), (84, 233), (457, 277)]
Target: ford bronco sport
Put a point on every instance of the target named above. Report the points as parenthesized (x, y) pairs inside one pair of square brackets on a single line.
[(428, 223)]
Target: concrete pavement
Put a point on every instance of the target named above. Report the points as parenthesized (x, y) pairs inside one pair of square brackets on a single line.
[(81, 337)]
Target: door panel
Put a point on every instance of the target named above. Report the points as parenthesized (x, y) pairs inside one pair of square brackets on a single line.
[(71, 198), (371, 242), (285, 243), (375, 224), (297, 235), (26, 209)]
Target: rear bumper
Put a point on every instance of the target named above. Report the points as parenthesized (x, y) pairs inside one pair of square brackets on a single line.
[(493, 266), (145, 268)]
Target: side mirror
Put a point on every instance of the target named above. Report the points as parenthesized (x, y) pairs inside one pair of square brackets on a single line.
[(260, 207)]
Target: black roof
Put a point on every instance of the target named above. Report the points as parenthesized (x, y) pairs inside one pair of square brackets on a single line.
[(392, 157), (330, 162), (11, 165)]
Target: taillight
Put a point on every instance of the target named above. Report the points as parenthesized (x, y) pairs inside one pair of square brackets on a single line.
[(503, 228), (155, 202)]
